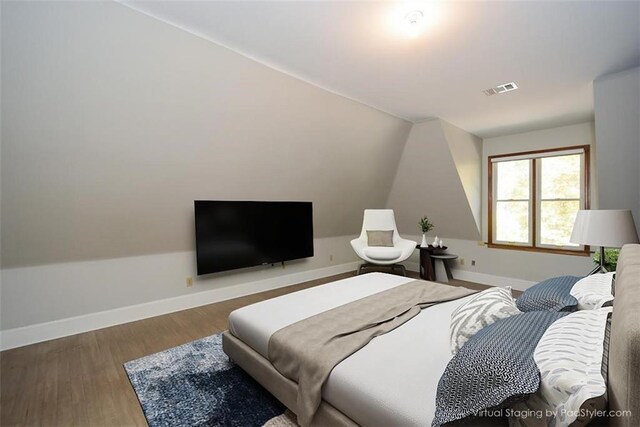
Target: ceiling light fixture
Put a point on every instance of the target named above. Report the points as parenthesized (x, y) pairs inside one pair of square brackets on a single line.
[(414, 17), (503, 88), (414, 22)]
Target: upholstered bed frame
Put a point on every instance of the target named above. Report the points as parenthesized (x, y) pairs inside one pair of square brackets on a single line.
[(624, 350), (624, 355)]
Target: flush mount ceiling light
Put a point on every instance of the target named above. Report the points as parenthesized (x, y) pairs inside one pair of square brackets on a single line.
[(414, 23), (414, 18), (503, 88), (411, 19)]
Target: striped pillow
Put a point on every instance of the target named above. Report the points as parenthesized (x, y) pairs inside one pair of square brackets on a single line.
[(570, 357), (481, 310), (593, 291)]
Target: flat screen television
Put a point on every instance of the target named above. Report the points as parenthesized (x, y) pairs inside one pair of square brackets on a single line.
[(237, 234)]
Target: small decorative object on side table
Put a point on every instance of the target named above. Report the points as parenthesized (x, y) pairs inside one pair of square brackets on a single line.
[(425, 226), (427, 264)]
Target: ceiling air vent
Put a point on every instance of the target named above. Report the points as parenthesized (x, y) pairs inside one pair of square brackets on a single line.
[(503, 88)]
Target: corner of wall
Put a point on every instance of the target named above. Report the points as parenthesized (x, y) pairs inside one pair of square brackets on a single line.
[(466, 150), (617, 134), (428, 182)]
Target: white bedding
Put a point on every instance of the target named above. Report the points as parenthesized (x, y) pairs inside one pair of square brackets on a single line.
[(392, 380)]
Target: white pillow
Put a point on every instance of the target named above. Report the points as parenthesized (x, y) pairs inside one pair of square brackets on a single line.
[(569, 357), (593, 291), (481, 310)]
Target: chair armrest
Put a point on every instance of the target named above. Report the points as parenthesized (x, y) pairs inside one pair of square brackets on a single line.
[(407, 246), (358, 244)]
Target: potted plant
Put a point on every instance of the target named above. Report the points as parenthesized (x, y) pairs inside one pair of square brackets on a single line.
[(425, 226), (610, 258)]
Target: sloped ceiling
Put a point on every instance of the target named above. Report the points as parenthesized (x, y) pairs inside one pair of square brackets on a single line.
[(429, 183), (115, 122), (552, 49)]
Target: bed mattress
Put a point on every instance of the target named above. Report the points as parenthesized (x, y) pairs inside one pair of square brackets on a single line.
[(391, 381)]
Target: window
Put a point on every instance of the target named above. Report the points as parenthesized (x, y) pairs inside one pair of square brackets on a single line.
[(534, 198)]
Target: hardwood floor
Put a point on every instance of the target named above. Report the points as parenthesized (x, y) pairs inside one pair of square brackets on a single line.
[(79, 380)]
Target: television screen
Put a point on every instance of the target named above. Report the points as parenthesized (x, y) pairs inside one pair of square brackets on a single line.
[(233, 234)]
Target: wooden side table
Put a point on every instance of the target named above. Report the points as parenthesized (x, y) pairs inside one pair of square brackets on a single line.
[(427, 264), (444, 258)]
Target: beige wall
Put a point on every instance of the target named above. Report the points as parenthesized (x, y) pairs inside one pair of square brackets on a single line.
[(617, 106), (114, 122), (46, 293), (466, 150), (0, 177), (528, 266), (502, 265), (520, 264), (428, 183)]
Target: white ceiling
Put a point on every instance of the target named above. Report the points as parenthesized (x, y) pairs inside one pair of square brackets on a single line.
[(552, 50)]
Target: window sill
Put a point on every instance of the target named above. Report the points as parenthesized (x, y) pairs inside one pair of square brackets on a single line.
[(585, 252)]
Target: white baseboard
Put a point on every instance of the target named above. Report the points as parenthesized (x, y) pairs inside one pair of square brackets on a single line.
[(490, 279), (31, 334)]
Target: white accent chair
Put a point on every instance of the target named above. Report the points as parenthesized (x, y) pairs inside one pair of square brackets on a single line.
[(382, 219)]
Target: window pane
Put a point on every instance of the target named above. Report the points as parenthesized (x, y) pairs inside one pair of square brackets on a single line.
[(512, 222), (513, 179), (556, 222), (560, 177)]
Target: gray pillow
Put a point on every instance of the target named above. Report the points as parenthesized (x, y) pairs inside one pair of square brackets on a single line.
[(380, 237), (494, 368), (553, 294)]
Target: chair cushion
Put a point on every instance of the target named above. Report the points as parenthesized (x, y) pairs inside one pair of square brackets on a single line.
[(382, 253)]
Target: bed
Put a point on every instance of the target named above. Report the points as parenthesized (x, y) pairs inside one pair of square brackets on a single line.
[(393, 379)]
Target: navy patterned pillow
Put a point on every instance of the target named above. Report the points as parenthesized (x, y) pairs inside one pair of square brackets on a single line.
[(494, 368), (551, 295)]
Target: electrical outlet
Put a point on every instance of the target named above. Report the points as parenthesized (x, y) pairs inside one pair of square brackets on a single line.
[(461, 261), (473, 262), (189, 282), (331, 257)]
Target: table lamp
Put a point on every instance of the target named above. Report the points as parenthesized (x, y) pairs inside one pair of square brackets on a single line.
[(604, 228)]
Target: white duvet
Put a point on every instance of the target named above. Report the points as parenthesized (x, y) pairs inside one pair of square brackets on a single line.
[(391, 381)]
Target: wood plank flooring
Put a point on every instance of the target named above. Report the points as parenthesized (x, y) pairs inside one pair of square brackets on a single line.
[(79, 380)]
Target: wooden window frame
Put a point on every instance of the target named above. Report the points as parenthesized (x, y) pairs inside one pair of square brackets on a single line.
[(535, 154)]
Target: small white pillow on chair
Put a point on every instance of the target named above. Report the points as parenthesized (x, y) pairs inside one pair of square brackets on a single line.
[(382, 253), (380, 238), (593, 291), (481, 310)]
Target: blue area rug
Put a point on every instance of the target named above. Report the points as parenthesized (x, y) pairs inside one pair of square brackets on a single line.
[(195, 384)]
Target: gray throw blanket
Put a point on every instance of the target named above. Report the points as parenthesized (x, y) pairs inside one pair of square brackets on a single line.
[(307, 351)]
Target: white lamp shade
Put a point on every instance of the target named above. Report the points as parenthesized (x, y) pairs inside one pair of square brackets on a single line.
[(610, 228)]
